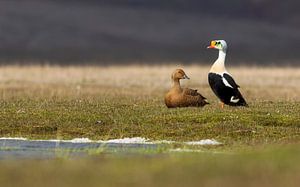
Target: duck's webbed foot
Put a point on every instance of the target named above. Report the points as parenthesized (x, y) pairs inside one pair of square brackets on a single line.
[(222, 104)]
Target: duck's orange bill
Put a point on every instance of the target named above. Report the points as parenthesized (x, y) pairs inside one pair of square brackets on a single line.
[(212, 45)]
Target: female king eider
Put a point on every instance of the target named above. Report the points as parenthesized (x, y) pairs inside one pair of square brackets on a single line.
[(221, 81)]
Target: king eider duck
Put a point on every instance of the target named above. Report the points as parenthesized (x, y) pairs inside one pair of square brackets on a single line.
[(221, 82), (183, 97)]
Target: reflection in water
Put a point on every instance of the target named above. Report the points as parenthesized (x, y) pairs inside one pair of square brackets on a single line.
[(43, 149)]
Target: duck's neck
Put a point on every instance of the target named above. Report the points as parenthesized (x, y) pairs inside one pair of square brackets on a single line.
[(219, 65), (176, 84)]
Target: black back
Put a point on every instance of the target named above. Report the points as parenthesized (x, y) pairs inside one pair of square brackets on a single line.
[(223, 92)]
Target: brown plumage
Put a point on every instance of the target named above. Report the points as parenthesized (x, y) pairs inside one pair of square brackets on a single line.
[(183, 97)]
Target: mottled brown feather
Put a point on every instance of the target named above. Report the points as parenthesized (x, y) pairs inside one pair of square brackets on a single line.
[(183, 97)]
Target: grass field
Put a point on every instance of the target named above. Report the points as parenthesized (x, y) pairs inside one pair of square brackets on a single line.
[(43, 102), (66, 102)]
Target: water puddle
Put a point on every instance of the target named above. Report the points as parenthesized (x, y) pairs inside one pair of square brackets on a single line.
[(15, 148)]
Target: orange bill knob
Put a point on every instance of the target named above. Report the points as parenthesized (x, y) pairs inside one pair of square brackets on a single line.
[(212, 45)]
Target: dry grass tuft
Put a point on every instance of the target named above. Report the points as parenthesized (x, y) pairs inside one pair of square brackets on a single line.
[(257, 83)]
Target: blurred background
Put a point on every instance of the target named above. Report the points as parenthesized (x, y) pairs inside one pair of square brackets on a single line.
[(148, 31)]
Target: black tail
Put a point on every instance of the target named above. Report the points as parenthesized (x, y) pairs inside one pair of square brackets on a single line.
[(242, 101)]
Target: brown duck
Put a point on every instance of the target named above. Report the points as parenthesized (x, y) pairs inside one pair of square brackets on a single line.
[(183, 97)]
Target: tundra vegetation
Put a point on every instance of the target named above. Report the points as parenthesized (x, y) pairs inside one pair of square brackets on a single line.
[(107, 102)]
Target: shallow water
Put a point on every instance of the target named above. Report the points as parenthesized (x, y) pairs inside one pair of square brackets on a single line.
[(18, 147), (46, 149)]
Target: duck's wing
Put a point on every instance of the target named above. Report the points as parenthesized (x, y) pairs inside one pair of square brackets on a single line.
[(188, 91), (198, 100), (236, 96), (191, 92), (229, 81), (202, 97)]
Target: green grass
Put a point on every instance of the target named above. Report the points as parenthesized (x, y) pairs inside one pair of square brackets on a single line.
[(260, 143), (52, 102), (269, 168), (261, 123)]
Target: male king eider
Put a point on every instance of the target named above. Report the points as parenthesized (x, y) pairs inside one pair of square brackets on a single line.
[(221, 81)]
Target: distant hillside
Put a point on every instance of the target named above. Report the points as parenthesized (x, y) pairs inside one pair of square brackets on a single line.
[(260, 31)]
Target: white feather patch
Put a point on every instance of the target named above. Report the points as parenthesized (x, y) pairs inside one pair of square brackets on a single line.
[(234, 100), (226, 82)]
